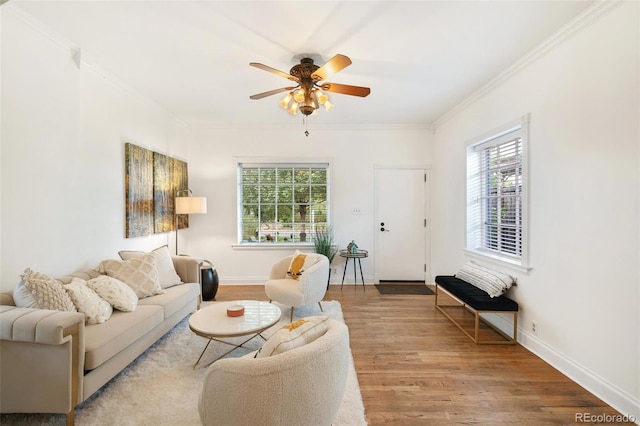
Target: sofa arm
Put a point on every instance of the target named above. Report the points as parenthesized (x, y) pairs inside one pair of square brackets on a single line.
[(39, 325), (37, 344), (187, 267), (6, 298)]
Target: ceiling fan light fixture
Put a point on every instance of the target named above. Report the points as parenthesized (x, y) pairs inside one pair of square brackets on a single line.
[(284, 103), (322, 97), (314, 97), (328, 106), (307, 109), (298, 96), (307, 96)]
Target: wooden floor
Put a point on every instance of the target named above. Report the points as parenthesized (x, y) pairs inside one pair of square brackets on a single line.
[(416, 368)]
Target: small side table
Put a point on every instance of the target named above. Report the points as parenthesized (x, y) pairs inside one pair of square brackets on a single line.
[(209, 280), (358, 255)]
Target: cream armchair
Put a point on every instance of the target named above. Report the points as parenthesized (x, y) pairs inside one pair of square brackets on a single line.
[(303, 386), (307, 290)]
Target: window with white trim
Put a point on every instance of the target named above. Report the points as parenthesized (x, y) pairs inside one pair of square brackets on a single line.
[(282, 202), (496, 195)]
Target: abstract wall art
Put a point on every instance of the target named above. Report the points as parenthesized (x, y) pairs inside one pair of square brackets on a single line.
[(152, 181)]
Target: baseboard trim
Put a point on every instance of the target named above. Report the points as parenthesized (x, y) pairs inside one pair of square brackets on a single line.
[(262, 280), (617, 398)]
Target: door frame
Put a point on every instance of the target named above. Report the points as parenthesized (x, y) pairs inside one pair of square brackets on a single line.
[(427, 210)]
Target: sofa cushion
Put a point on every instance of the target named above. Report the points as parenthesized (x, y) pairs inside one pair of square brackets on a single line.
[(174, 298), (103, 341), (139, 273), (84, 274), (47, 292), (294, 335), (114, 291), (96, 310)]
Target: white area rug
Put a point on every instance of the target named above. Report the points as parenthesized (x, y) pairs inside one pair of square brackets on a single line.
[(162, 388)]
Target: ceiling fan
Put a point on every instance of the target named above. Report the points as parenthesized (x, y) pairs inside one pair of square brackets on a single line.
[(308, 94)]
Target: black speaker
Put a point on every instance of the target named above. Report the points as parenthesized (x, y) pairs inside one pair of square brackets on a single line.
[(209, 281)]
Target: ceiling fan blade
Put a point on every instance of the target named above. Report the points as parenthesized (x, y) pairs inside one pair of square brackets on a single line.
[(273, 70), (271, 92), (334, 65), (346, 89)]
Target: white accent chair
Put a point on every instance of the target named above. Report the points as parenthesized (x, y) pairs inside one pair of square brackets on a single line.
[(303, 386), (309, 289)]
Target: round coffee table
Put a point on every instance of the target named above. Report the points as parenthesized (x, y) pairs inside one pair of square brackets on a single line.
[(213, 323)]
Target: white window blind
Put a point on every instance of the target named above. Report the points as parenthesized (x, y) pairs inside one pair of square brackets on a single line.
[(496, 202)]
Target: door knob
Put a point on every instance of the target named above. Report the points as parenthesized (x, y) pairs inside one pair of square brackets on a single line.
[(384, 230)]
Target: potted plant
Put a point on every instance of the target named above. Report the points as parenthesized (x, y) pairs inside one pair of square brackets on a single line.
[(323, 244)]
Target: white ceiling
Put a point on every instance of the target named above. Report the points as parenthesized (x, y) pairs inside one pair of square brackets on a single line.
[(420, 58)]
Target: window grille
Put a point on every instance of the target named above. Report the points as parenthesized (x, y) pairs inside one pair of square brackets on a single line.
[(282, 203)]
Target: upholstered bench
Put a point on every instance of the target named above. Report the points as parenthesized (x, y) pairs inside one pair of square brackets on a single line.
[(478, 302)]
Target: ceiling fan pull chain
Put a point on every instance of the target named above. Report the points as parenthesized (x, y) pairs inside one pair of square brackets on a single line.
[(306, 125)]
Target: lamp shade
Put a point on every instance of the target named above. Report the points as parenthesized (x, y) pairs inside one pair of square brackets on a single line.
[(191, 205)]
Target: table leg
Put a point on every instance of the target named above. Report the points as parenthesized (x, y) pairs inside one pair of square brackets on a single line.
[(361, 276), (229, 351), (203, 351), (344, 271), (355, 276)]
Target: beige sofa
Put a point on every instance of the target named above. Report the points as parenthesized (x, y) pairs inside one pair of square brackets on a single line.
[(52, 361)]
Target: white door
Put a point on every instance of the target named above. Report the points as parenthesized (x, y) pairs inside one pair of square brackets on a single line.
[(401, 224)]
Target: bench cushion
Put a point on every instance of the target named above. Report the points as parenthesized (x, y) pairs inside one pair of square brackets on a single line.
[(473, 296)]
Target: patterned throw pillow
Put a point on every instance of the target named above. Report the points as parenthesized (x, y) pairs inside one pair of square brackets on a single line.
[(114, 291), (96, 310), (294, 335), (166, 269), (492, 282), (47, 292), (300, 263), (139, 273)]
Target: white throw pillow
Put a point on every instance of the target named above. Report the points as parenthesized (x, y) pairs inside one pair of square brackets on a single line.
[(47, 292), (96, 310), (164, 263), (300, 263), (118, 294), (493, 283), (22, 297), (294, 335), (139, 273)]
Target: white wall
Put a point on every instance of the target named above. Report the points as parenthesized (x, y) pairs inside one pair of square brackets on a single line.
[(62, 152), (352, 152), (583, 290)]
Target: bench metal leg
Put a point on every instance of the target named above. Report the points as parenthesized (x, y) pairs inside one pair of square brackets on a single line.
[(477, 318)]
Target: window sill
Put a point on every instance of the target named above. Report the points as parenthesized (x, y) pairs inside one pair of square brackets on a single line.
[(272, 246), (498, 261)]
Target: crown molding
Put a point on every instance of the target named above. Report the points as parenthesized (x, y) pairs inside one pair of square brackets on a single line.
[(574, 26), (205, 124)]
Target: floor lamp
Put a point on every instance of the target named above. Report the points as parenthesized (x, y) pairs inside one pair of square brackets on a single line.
[(188, 205)]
